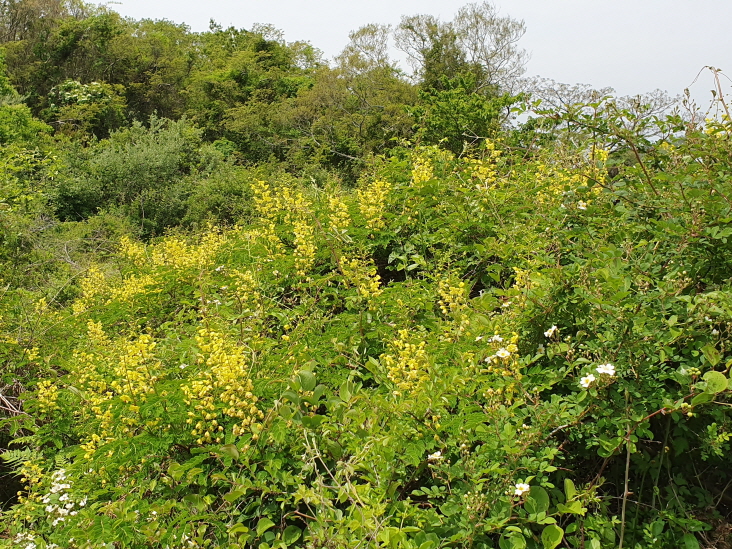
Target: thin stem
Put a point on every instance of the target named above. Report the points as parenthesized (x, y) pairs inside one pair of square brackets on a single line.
[(625, 490)]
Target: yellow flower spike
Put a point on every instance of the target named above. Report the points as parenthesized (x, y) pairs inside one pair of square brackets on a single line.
[(372, 202)]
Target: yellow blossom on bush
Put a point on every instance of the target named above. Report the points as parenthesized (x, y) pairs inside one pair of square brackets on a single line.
[(223, 389), (422, 171), (134, 251), (407, 363), (363, 276), (338, 218), (265, 203), (92, 285), (177, 253), (372, 202), (47, 396)]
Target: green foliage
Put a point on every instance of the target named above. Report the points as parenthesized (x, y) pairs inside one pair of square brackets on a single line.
[(141, 170), (93, 109), (466, 351), (457, 116), (277, 323)]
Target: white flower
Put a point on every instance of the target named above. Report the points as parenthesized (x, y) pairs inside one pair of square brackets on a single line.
[(219, 268), (478, 338), (587, 380), (608, 369), (715, 332), (496, 338), (551, 331), (582, 205), (435, 457), (521, 489), (503, 353)]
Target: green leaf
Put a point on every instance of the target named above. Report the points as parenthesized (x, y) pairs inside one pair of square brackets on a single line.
[(570, 491), (232, 496), (572, 507), (540, 499), (514, 541), (690, 541), (711, 354), (702, 398), (263, 525), (195, 501), (449, 508), (716, 382), (345, 391), (307, 380), (552, 536), (230, 450), (291, 534), (175, 471)]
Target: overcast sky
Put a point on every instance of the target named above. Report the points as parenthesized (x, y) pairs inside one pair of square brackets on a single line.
[(634, 46)]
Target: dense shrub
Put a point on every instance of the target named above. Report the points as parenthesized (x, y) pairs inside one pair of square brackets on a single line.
[(476, 352)]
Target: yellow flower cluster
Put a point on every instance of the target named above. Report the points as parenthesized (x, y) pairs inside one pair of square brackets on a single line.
[(264, 201), (422, 172), (90, 376), (372, 202), (91, 445), (266, 236), (555, 183), (298, 213), (452, 297), (718, 128), (294, 204), (247, 290), (31, 354), (338, 218), (305, 247), (453, 303), (133, 251), (40, 306), (251, 307), (130, 287), (96, 333), (47, 397), (31, 474), (223, 389), (92, 285), (363, 276), (407, 364), (483, 170), (179, 254), (134, 371)]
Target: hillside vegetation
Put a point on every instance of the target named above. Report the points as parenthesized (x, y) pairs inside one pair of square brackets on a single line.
[(252, 299)]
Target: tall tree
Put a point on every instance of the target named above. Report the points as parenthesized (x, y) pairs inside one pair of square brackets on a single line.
[(477, 41)]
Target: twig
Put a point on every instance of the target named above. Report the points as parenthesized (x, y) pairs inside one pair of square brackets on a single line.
[(625, 490)]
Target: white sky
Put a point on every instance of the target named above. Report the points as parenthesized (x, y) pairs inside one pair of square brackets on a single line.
[(634, 46)]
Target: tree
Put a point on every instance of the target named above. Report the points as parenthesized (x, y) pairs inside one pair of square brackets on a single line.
[(477, 41)]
